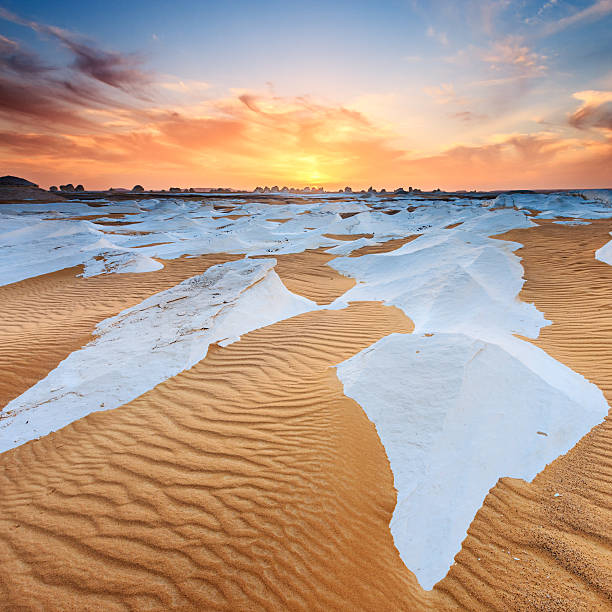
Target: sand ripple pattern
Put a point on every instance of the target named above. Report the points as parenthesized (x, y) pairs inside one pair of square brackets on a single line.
[(383, 247), (43, 319), (248, 482), (308, 275), (548, 545)]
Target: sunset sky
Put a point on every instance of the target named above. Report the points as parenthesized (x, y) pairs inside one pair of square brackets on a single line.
[(456, 95)]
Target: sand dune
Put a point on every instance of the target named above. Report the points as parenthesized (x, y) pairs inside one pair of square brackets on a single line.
[(308, 275), (548, 545), (247, 482), (148, 343), (252, 482), (348, 236), (43, 319), (383, 247)]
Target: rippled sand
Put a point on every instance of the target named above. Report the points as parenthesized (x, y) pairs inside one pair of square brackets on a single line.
[(548, 545), (247, 482), (251, 482), (43, 319), (308, 274)]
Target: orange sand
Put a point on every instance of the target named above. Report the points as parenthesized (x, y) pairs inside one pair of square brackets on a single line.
[(383, 247), (348, 236), (563, 543), (246, 483), (309, 275), (250, 482), (44, 319)]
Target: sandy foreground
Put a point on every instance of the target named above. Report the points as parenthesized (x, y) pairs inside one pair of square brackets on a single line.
[(250, 481)]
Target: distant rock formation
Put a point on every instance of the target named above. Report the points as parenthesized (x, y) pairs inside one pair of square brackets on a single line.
[(16, 189), (67, 187), (15, 181), (285, 190), (348, 190), (138, 188), (175, 190), (79, 187), (53, 188)]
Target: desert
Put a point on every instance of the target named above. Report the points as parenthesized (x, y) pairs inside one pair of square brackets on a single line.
[(306, 306), (261, 406)]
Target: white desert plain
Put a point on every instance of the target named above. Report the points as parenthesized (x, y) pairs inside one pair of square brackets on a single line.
[(299, 402)]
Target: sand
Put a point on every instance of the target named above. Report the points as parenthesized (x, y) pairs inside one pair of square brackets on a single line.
[(348, 236), (308, 274), (247, 482), (548, 545), (383, 247), (43, 319), (251, 482)]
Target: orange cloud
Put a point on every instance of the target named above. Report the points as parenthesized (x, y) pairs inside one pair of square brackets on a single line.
[(521, 161), (596, 110), (90, 123), (512, 54), (257, 140), (237, 141)]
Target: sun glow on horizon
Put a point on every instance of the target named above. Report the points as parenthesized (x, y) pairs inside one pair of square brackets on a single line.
[(505, 101)]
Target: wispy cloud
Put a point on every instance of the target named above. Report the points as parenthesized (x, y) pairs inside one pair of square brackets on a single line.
[(513, 55), (546, 6), (437, 35), (489, 11), (117, 70), (597, 10), (468, 116), (444, 94), (34, 93), (188, 86), (502, 61), (541, 12), (19, 61), (595, 111)]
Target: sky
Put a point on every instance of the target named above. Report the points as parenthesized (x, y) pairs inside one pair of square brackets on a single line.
[(489, 94)]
